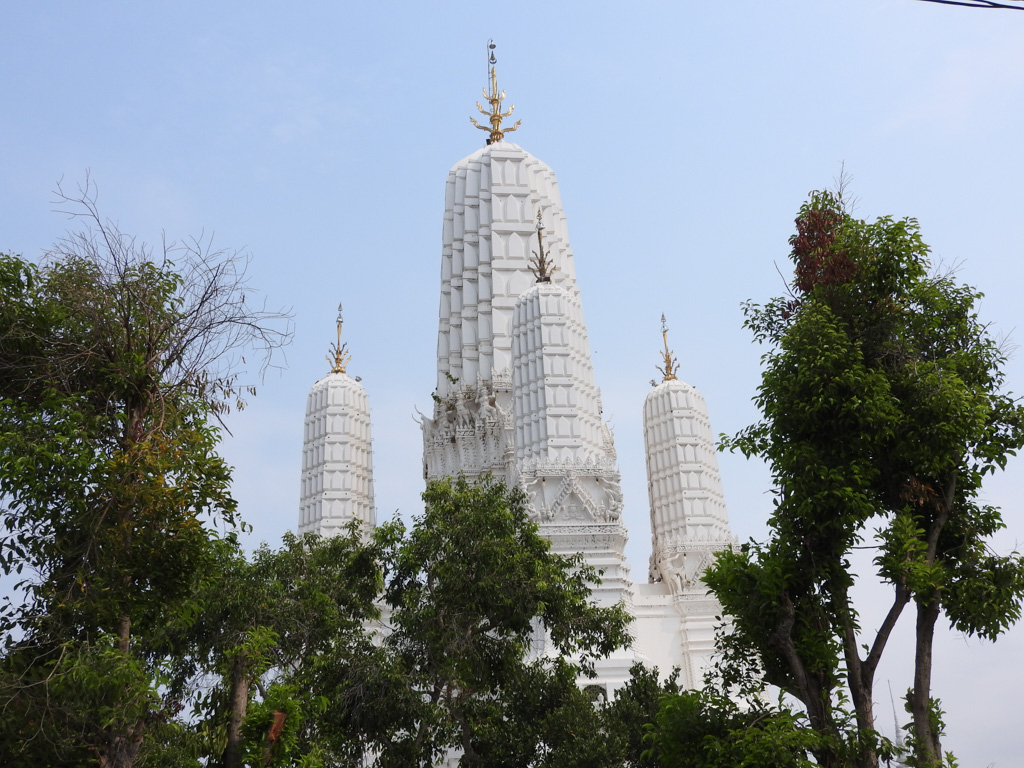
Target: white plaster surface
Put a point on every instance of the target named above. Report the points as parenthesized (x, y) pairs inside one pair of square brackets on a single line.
[(337, 458), (516, 398), (491, 202), (688, 515)]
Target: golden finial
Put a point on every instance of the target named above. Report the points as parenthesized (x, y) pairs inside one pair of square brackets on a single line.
[(671, 365), (339, 357), (540, 264), (495, 97)]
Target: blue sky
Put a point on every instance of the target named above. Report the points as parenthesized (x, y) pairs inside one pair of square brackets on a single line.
[(685, 136)]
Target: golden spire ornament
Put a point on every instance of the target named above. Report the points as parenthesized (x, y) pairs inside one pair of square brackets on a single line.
[(339, 358), (540, 264), (671, 364), (494, 97)]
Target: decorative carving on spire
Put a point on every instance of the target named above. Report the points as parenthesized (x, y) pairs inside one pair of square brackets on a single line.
[(668, 357), (339, 357), (494, 97), (540, 265)]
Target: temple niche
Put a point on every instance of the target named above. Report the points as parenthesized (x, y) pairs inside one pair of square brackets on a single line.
[(516, 398)]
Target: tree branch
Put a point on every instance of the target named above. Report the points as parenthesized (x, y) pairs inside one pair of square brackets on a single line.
[(882, 636)]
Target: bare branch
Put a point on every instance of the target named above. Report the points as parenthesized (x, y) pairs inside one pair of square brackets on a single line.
[(211, 327)]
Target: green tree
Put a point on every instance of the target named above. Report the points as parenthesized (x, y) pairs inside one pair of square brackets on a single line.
[(143, 636), (706, 729), (293, 661), (883, 409), (112, 363), (631, 714), (284, 634), (466, 590)]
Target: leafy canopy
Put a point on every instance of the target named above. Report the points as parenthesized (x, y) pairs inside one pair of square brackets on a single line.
[(883, 408), (114, 361)]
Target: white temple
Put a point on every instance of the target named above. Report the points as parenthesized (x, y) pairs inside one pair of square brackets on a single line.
[(337, 467), (516, 398)]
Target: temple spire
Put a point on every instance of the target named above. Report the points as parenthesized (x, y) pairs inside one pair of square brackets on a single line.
[(339, 358), (337, 452), (494, 97), (667, 356)]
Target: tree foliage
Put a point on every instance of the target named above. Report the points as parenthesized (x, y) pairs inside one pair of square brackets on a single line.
[(278, 631), (706, 729), (404, 647), (883, 409), (466, 591), (141, 634), (112, 362)]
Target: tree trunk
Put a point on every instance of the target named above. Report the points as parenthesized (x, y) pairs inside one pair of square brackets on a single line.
[(124, 632), (861, 682), (238, 705), (123, 741), (927, 748), (813, 691), (861, 672), (123, 749)]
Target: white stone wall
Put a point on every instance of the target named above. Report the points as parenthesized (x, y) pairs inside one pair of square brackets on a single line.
[(684, 486), (491, 203), (337, 460), (689, 523), (557, 405), (563, 452), (516, 397), (688, 516)]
